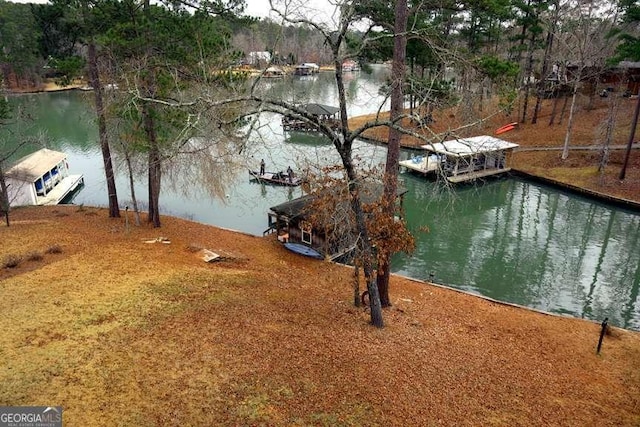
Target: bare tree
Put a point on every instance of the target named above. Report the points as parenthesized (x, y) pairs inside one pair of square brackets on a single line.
[(606, 129), (393, 146), (4, 194), (583, 40), (335, 31), (548, 46), (94, 78)]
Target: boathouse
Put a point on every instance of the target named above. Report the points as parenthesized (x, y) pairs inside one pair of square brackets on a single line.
[(41, 178), (332, 235), (350, 65), (463, 159), (306, 69), (325, 114), (273, 73)]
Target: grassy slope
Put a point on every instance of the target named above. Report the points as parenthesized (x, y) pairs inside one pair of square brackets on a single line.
[(123, 332)]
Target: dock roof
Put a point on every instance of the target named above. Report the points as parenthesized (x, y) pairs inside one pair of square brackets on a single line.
[(464, 147), (320, 109), (370, 192), (33, 166)]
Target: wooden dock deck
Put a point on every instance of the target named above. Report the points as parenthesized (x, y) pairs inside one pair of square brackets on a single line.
[(61, 190), (470, 176)]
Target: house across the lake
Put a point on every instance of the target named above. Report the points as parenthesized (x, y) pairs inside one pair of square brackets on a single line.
[(41, 178)]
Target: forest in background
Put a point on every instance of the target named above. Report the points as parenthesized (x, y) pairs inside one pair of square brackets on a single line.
[(507, 44)]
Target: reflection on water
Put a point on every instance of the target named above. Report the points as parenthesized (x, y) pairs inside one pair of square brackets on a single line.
[(528, 244), (507, 239), (306, 138)]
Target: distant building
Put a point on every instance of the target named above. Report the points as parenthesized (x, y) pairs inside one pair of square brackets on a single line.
[(306, 69), (625, 72), (273, 72), (259, 59), (350, 65), (623, 77)]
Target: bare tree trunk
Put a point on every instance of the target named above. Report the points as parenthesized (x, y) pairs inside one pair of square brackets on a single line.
[(393, 147), (634, 123), (94, 78), (528, 72), (4, 197), (543, 78), (567, 138), (344, 146), (481, 99), (563, 110), (134, 200), (608, 137), (554, 110), (545, 61), (356, 284), (592, 96), (154, 166), (366, 250)]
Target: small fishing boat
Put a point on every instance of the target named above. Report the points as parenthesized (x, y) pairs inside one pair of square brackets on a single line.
[(277, 178), (305, 250), (424, 164)]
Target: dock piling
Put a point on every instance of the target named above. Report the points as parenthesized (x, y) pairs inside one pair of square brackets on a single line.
[(602, 332)]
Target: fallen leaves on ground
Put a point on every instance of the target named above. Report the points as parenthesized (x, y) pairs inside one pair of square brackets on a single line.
[(122, 332)]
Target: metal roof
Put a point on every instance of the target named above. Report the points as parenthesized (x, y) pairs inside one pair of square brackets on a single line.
[(463, 147), (320, 109), (33, 166), (293, 208)]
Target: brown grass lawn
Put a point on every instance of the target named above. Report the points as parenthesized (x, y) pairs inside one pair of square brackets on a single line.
[(123, 332)]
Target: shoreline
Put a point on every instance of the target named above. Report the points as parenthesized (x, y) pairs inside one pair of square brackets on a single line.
[(633, 204), (585, 192)]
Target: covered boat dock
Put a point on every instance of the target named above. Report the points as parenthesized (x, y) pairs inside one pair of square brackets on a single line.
[(334, 236), (325, 114), (41, 178), (464, 159)]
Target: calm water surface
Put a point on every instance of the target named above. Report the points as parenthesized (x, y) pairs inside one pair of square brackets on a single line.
[(507, 239)]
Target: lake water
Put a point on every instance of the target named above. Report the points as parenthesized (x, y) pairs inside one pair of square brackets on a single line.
[(508, 239)]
